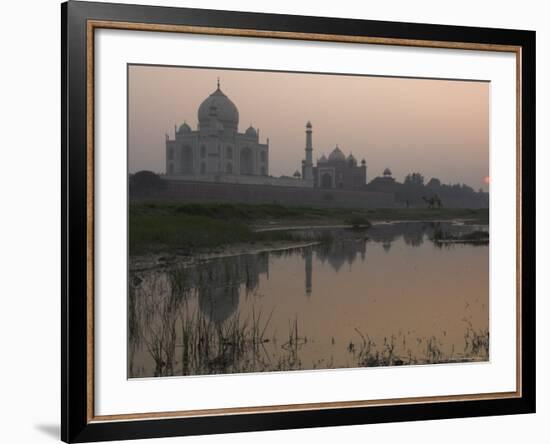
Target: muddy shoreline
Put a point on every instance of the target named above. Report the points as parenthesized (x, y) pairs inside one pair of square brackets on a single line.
[(162, 260)]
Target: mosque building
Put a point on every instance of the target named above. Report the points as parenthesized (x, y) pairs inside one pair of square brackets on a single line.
[(339, 171), (217, 152)]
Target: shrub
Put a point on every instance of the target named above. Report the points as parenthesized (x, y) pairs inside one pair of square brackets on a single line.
[(358, 222), (145, 181)]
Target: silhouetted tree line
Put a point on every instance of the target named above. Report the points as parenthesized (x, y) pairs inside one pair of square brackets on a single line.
[(434, 194)]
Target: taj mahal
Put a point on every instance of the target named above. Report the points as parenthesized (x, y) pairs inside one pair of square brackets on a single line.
[(217, 152)]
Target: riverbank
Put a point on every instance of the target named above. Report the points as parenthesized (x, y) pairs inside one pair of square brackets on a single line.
[(160, 227), (474, 237), (282, 305), (160, 261)]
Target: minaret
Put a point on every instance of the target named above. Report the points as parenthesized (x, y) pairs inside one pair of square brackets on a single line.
[(308, 163)]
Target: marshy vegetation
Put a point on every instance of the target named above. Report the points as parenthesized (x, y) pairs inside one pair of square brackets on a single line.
[(277, 212), (184, 340), (180, 339), (165, 226), (394, 350)]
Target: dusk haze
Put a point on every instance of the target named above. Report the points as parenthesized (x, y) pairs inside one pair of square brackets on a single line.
[(439, 128)]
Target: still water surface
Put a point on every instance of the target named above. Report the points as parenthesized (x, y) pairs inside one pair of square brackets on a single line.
[(387, 296)]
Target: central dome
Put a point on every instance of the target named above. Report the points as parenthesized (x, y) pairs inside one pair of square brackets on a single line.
[(337, 155), (220, 106)]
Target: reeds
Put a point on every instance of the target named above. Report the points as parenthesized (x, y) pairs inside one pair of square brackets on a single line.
[(430, 350), (187, 321)]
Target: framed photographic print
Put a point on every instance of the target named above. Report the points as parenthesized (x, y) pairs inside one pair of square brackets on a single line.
[(275, 221)]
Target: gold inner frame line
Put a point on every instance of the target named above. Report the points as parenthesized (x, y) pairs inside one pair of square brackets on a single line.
[(92, 25)]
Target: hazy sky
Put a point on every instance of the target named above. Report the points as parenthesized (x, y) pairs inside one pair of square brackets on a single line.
[(437, 127)]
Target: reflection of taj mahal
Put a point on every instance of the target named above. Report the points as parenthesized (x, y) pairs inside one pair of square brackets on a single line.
[(217, 152), (220, 282)]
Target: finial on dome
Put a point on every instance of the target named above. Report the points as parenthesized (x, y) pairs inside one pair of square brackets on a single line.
[(218, 83)]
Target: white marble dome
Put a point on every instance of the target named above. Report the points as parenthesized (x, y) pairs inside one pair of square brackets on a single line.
[(220, 106)]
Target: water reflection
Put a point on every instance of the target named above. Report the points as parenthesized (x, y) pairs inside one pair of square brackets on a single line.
[(308, 261), (384, 296), (337, 254), (218, 282)]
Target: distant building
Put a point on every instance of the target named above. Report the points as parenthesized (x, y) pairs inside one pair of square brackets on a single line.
[(336, 171), (384, 183)]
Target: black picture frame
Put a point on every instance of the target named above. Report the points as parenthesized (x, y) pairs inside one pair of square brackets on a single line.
[(76, 423)]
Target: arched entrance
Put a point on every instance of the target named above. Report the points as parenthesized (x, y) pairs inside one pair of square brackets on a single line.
[(187, 160), (246, 161), (326, 180)]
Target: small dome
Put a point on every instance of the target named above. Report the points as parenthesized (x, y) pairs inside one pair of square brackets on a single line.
[(251, 132), (220, 106), (323, 159), (363, 162), (337, 155), (184, 128), (387, 172), (308, 124), (297, 174)]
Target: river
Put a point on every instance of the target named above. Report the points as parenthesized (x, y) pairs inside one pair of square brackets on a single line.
[(389, 295)]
